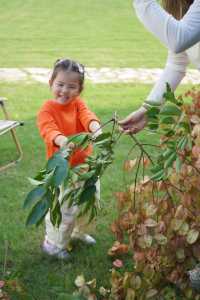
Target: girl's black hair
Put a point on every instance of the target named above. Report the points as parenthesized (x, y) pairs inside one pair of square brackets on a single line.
[(68, 65)]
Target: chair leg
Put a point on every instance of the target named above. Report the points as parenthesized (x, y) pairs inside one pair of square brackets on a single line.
[(19, 150), (15, 139), (18, 146)]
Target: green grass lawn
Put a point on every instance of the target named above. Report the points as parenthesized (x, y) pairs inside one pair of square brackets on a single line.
[(106, 33), (41, 278), (35, 33)]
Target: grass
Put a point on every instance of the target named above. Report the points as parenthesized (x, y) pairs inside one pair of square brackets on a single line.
[(106, 33), (41, 278), (35, 33)]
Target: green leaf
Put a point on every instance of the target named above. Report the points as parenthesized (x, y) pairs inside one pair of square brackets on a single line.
[(153, 126), (41, 175), (102, 137), (35, 182), (38, 212), (182, 143), (152, 103), (170, 110), (55, 214), (85, 176), (79, 139), (169, 94), (92, 214), (55, 161), (87, 207), (168, 152), (87, 193), (60, 174), (169, 162), (169, 132), (73, 196), (33, 196), (92, 180), (155, 169), (158, 176), (167, 120), (178, 164), (153, 112), (186, 126)]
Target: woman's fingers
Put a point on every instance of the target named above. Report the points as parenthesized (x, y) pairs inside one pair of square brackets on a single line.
[(134, 117), (133, 127), (127, 120), (134, 122)]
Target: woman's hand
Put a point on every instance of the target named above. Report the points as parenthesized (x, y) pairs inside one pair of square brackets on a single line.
[(134, 122)]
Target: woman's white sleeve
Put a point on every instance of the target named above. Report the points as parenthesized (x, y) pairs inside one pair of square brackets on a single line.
[(173, 74), (177, 35)]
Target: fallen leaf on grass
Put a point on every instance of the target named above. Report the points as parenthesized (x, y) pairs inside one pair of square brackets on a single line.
[(118, 249)]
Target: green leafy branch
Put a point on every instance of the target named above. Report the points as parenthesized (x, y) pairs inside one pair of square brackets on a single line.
[(78, 182), (172, 123)]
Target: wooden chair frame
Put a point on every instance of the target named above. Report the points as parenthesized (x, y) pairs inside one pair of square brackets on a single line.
[(8, 125)]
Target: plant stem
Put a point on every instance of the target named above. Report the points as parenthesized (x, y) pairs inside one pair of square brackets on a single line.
[(142, 148), (135, 181)]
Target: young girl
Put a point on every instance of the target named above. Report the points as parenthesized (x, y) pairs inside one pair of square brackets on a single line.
[(64, 115)]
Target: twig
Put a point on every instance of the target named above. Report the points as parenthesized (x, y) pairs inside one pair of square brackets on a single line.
[(142, 148), (105, 124), (151, 145), (114, 119), (136, 176)]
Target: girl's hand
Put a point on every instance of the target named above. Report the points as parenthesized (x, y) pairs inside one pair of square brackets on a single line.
[(70, 145), (62, 142), (95, 129), (134, 122)]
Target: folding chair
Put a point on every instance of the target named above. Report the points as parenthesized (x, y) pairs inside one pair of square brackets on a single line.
[(7, 125)]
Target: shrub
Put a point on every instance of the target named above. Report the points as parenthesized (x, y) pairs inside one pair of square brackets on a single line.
[(160, 213)]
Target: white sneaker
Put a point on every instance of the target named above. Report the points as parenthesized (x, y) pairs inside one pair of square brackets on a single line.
[(85, 238), (54, 251)]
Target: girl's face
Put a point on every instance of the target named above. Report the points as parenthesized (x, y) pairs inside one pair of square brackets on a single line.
[(66, 86)]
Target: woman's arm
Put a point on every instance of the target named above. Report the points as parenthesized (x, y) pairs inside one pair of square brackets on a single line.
[(173, 74), (176, 35)]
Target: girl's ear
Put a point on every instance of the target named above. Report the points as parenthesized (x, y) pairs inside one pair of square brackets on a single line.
[(50, 83)]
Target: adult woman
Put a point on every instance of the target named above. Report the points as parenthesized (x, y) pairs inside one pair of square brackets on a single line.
[(178, 27)]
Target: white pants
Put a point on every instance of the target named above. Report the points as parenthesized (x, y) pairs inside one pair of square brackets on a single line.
[(60, 236)]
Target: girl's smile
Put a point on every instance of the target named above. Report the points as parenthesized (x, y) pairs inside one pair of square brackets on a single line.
[(66, 86)]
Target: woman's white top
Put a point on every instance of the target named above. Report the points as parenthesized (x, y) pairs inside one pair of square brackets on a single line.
[(178, 36)]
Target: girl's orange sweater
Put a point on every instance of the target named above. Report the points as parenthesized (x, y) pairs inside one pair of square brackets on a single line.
[(67, 119)]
